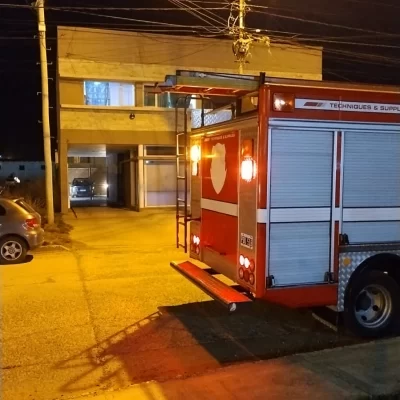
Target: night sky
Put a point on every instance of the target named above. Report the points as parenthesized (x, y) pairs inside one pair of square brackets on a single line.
[(360, 38)]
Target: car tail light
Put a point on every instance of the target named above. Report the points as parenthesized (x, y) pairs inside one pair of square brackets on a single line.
[(32, 223)]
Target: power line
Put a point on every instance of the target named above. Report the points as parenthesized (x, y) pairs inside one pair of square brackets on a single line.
[(319, 22), (84, 8), (197, 29), (256, 8)]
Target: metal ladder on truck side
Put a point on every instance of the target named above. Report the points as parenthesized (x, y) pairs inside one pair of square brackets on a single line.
[(183, 216)]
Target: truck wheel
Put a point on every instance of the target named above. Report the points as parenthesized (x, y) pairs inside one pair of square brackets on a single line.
[(12, 250), (373, 305)]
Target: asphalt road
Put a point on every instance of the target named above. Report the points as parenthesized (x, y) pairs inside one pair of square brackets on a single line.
[(112, 312)]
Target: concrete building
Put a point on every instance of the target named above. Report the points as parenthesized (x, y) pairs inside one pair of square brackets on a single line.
[(107, 106)]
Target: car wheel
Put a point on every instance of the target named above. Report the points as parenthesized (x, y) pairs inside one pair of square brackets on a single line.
[(373, 305), (12, 250)]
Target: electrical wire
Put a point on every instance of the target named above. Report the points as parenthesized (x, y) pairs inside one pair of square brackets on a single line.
[(338, 54), (352, 28), (256, 8), (210, 20), (83, 8)]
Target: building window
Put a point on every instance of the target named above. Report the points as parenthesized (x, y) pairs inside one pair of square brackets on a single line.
[(42, 167), (150, 98), (165, 100), (22, 167), (109, 94)]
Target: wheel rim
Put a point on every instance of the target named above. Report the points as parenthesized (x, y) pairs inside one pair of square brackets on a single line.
[(11, 250), (373, 306)]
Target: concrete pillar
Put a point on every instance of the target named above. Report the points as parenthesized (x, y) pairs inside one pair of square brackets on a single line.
[(133, 183), (63, 176), (139, 94), (140, 185), (112, 178), (126, 177)]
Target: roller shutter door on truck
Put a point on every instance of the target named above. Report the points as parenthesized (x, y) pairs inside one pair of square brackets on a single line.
[(300, 206), (371, 187)]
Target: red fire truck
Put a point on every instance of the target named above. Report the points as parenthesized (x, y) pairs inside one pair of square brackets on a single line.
[(295, 197)]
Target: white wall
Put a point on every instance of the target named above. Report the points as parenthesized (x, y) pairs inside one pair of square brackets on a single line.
[(112, 173)]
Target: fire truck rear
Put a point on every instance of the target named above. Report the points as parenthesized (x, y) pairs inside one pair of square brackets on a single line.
[(294, 195)]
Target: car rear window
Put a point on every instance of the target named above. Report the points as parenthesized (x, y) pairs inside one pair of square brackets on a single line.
[(25, 206), (78, 182)]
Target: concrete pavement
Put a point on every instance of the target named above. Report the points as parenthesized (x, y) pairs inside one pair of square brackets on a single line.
[(112, 313), (357, 372)]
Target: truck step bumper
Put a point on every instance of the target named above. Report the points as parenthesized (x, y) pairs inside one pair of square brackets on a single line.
[(219, 291)]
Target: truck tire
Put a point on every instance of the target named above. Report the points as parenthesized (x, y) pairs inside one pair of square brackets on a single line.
[(373, 305)]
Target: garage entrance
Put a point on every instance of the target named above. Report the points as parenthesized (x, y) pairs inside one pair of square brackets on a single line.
[(132, 177), (87, 177)]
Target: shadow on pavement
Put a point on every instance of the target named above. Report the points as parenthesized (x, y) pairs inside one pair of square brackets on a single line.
[(192, 338), (28, 259)]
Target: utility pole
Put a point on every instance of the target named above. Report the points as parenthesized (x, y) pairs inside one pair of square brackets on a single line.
[(242, 5), (39, 5), (242, 38)]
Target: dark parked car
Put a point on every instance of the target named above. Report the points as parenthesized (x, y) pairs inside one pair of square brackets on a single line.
[(20, 230), (82, 187)]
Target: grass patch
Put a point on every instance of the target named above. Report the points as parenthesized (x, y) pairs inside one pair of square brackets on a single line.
[(57, 233)]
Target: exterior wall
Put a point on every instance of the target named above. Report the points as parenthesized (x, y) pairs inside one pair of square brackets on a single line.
[(113, 125), (104, 54), (71, 92)]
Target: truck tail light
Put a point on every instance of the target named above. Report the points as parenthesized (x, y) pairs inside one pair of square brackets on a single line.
[(195, 244), (251, 279), (247, 268), (195, 153), (248, 169), (195, 156), (252, 266), (248, 165)]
